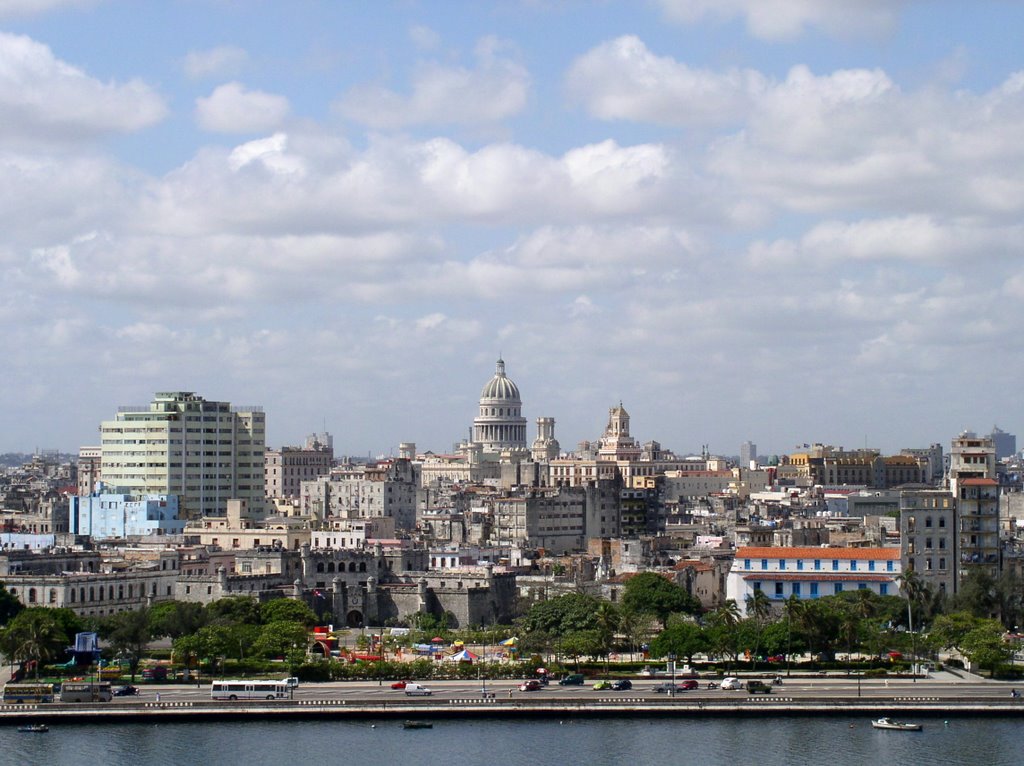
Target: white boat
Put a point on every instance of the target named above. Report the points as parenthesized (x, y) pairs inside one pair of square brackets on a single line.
[(889, 723)]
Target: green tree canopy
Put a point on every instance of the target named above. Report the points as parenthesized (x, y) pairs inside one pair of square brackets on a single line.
[(277, 639), (287, 610), (563, 615), (9, 605), (234, 609), (176, 618), (681, 638), (128, 633), (35, 634), (650, 593)]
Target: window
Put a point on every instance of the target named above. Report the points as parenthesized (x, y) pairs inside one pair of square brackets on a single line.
[(817, 563), (839, 587), (782, 565), (795, 589), (799, 564), (764, 563), (942, 522), (757, 586), (928, 521), (871, 566), (883, 589), (862, 586), (814, 590), (746, 563), (778, 590), (942, 563), (835, 565), (888, 566), (853, 565)]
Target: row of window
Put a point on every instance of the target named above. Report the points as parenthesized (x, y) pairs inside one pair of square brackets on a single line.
[(815, 589), (889, 565)]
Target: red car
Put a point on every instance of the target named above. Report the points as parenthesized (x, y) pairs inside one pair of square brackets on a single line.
[(530, 685), (399, 684), (688, 684)]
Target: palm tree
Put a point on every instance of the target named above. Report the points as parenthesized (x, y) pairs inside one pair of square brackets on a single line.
[(34, 636), (607, 618), (759, 607)]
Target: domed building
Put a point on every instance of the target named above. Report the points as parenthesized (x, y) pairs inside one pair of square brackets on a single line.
[(500, 425)]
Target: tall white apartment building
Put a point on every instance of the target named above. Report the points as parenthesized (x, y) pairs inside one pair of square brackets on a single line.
[(204, 452)]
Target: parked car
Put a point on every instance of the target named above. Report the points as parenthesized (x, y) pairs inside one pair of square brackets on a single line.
[(416, 690), (689, 683), (530, 685), (755, 686), (158, 673), (731, 683), (399, 684), (573, 679), (126, 691), (623, 684), (602, 685)]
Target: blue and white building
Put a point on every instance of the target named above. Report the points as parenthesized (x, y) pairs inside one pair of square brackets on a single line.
[(105, 516), (808, 572)]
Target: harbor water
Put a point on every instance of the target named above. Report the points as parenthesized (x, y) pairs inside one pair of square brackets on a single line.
[(835, 741)]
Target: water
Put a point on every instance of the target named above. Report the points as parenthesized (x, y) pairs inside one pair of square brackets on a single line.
[(595, 742)]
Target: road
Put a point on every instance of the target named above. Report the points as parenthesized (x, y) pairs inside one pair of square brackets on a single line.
[(941, 686)]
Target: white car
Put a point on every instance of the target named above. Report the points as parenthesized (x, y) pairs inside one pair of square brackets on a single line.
[(415, 690), (731, 682)]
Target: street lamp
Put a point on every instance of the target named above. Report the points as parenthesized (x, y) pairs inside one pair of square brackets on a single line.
[(672, 668)]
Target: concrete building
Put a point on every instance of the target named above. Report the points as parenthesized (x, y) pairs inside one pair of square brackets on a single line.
[(204, 452), (500, 426), (748, 455), (929, 537), (1005, 444), (781, 573), (288, 467), (105, 516), (385, 490), (90, 462)]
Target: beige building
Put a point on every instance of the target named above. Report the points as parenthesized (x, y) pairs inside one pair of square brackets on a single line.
[(204, 452)]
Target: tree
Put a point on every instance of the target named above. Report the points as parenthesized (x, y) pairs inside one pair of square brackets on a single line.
[(9, 605), (176, 618), (34, 635), (681, 638), (562, 615), (277, 639), (580, 643), (128, 633), (651, 593), (759, 607), (287, 610), (607, 618), (234, 609)]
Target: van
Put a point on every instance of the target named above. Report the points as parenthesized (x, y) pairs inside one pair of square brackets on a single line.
[(416, 690), (573, 679), (292, 683)]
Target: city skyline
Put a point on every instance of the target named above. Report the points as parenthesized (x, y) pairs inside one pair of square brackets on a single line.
[(777, 225)]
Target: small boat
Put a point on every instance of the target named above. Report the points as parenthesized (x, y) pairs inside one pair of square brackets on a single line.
[(39, 728), (889, 723), (417, 725)]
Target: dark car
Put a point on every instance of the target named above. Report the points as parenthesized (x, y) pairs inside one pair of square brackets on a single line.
[(622, 685), (573, 679), (158, 673), (755, 686), (530, 685), (125, 691)]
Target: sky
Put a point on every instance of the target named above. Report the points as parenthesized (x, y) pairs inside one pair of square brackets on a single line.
[(782, 221)]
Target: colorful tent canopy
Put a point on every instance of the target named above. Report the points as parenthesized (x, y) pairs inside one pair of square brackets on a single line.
[(510, 641), (464, 656)]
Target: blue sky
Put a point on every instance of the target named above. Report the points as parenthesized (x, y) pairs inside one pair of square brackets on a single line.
[(776, 220)]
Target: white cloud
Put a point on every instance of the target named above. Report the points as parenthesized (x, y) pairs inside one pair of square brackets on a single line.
[(443, 95), (44, 99), (622, 80), (424, 38), (222, 61), (15, 8), (232, 108), (778, 20)]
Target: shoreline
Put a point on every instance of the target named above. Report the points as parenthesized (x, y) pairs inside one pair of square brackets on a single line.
[(766, 706)]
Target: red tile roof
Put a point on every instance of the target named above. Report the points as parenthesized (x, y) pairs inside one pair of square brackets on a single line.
[(809, 552)]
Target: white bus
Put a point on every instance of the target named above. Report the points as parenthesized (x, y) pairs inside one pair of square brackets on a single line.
[(249, 690), (86, 691)]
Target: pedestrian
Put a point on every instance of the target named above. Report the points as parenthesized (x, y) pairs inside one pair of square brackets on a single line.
[(510, 694), (158, 696)]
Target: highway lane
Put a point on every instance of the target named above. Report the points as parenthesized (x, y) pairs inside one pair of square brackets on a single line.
[(838, 687)]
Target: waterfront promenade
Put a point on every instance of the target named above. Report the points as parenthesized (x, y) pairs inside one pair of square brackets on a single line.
[(940, 695)]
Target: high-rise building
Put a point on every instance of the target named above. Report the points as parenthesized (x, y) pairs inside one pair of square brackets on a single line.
[(748, 454), (973, 483), (89, 463), (1005, 444), (204, 452), (288, 467)]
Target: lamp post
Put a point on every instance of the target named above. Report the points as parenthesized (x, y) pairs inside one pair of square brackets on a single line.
[(672, 668)]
